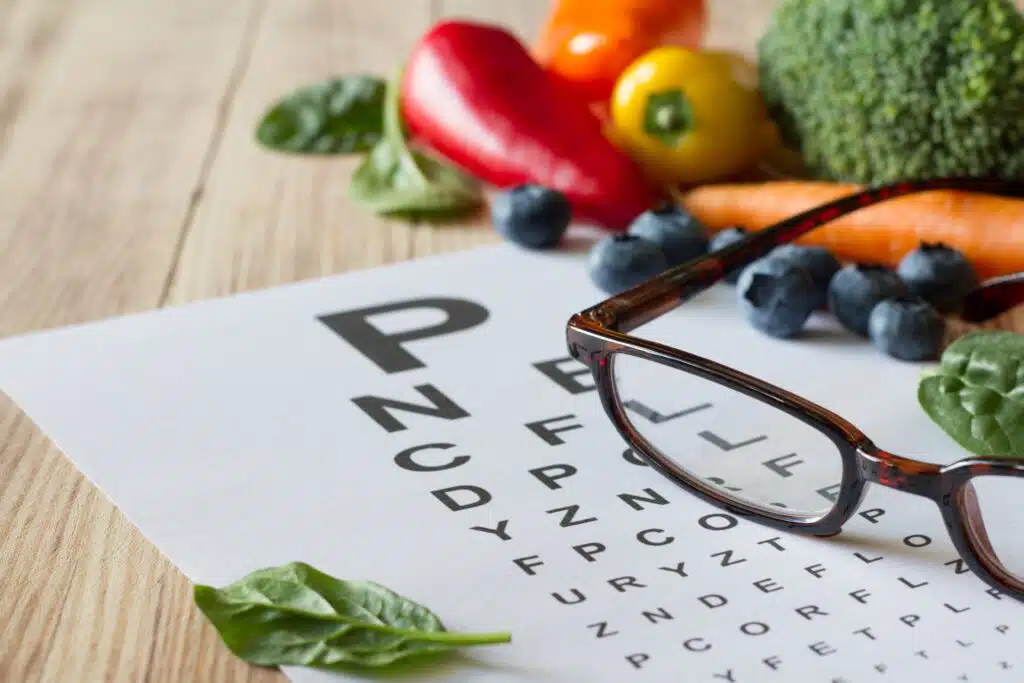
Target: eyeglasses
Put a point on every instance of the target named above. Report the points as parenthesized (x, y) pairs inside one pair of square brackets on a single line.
[(819, 480)]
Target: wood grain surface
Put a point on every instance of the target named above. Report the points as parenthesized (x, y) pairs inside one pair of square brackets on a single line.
[(129, 180)]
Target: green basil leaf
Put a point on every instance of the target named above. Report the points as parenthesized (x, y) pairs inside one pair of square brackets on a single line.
[(396, 181), (341, 115), (977, 392), (297, 615)]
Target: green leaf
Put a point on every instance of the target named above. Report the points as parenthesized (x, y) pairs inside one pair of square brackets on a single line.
[(341, 115), (297, 615), (399, 182), (977, 392), (396, 182)]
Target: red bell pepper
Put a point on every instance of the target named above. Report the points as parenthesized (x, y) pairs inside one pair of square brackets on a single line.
[(472, 93)]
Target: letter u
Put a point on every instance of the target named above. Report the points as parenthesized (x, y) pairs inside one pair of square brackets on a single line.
[(580, 597)]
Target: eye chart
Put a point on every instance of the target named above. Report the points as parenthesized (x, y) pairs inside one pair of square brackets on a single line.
[(422, 425)]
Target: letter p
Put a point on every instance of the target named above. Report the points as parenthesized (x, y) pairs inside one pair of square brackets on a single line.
[(386, 350)]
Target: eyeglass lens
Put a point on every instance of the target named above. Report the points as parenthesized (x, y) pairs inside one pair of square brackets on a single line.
[(747, 450), (993, 508)]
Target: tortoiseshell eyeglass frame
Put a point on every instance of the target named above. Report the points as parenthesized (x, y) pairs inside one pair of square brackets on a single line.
[(595, 335)]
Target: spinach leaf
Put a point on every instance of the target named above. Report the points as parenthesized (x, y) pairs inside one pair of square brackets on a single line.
[(399, 182), (977, 393), (341, 115), (297, 615)]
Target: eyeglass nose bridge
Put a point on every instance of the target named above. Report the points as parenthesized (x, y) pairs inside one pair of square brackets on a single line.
[(903, 474)]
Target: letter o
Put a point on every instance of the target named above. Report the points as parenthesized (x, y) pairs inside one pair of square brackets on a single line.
[(755, 628), (724, 522), (917, 540)]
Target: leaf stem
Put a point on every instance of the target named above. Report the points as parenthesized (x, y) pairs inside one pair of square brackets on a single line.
[(393, 130), (431, 636), (464, 638)]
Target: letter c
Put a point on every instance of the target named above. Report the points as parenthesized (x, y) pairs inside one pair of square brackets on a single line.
[(406, 462)]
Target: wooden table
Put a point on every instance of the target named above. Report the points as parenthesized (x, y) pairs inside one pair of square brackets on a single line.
[(129, 180)]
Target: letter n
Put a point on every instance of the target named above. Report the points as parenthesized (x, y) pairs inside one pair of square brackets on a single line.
[(380, 408)]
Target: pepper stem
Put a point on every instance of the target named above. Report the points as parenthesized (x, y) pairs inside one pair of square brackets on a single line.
[(668, 116)]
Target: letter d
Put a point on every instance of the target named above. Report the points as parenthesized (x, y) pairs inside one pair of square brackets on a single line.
[(481, 497), (713, 600)]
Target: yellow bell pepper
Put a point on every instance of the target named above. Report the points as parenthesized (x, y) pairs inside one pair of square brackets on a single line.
[(690, 116)]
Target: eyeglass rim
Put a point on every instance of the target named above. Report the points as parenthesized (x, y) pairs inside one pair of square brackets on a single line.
[(597, 333), (863, 462), (845, 436), (982, 561)]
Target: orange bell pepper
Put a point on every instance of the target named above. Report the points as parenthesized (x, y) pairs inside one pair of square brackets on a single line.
[(587, 44)]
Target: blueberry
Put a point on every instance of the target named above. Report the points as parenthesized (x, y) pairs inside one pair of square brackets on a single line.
[(776, 296), (531, 216), (724, 238), (907, 327), (621, 261), (679, 234), (938, 274), (818, 261), (856, 289)]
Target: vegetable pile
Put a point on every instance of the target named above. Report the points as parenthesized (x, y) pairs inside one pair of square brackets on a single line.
[(473, 94), (586, 45), (616, 114), (617, 109)]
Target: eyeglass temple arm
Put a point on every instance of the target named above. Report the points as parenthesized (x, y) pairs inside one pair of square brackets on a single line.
[(649, 300), (993, 297)]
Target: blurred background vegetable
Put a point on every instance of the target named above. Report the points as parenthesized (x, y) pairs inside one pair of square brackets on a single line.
[(690, 116), (340, 115), (889, 90), (586, 44), (473, 94), (987, 229), (400, 182)]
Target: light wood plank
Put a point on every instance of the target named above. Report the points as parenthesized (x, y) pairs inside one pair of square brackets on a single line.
[(269, 218), (29, 31), (98, 174), (111, 108), (522, 18)]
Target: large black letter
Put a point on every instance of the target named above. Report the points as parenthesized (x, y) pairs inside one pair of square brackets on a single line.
[(636, 501), (728, 445), (385, 350), (379, 408), (550, 434), (565, 378), (657, 418), (483, 496), (406, 462), (550, 480)]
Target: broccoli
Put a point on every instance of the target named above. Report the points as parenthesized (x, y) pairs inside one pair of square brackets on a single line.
[(877, 91)]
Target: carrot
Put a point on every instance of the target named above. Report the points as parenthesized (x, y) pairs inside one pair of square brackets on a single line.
[(987, 229)]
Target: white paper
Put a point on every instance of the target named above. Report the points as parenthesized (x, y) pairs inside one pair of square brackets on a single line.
[(227, 431)]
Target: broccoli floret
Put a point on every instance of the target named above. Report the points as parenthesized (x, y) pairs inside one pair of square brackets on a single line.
[(876, 91)]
